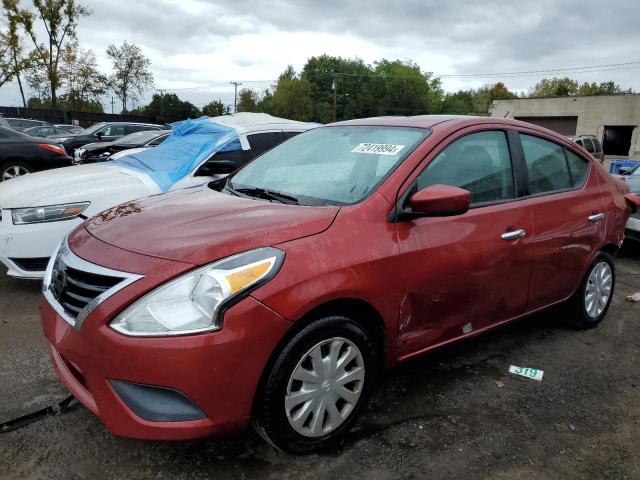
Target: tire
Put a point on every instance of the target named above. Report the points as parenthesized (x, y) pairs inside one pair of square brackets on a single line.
[(13, 169), (276, 408), (583, 314)]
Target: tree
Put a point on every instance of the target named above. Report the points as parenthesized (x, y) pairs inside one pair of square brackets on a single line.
[(217, 108), (59, 18), (248, 100), (131, 77), (291, 97), (167, 108), (554, 87), (12, 60), (84, 84)]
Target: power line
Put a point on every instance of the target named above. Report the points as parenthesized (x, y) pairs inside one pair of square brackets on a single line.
[(622, 66)]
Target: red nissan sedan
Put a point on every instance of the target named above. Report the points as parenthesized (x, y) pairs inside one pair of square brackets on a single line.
[(279, 293)]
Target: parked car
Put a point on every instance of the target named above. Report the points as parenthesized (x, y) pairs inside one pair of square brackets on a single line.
[(21, 154), (103, 132), (21, 124), (632, 178), (101, 151), (39, 210), (69, 127), (45, 131), (278, 293), (591, 144)]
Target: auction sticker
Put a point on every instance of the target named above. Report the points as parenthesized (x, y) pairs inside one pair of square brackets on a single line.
[(532, 373), (378, 148)]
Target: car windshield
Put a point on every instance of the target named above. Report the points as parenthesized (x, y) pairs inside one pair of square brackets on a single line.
[(336, 165), (635, 172), (92, 129), (138, 138)]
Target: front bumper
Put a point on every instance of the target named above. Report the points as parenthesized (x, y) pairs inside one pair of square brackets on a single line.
[(23, 247), (632, 228), (217, 372)]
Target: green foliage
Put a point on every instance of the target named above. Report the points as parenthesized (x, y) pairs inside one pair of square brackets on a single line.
[(58, 19), (475, 102), (67, 104), (248, 100), (167, 108), (562, 87), (216, 108)]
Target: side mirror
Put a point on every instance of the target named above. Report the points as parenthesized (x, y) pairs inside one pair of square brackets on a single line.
[(100, 135), (216, 167), (439, 201)]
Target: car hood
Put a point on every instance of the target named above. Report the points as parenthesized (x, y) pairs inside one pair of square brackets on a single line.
[(68, 184), (199, 225)]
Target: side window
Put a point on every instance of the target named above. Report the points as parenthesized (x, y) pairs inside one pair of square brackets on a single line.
[(588, 144), (546, 164), (578, 167), (158, 140), (579, 142), (479, 162), (596, 144), (113, 131), (261, 142), (288, 135)]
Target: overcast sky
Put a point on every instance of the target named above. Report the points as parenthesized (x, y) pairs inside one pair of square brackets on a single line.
[(198, 43)]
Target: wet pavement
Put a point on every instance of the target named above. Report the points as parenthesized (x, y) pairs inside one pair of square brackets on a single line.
[(456, 413)]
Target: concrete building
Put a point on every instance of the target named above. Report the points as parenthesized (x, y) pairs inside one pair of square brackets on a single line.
[(613, 119)]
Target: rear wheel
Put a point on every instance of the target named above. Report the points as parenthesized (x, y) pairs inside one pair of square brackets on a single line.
[(14, 169), (316, 386), (592, 300)]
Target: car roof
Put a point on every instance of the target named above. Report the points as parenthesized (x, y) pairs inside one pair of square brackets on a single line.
[(451, 122), (245, 122)]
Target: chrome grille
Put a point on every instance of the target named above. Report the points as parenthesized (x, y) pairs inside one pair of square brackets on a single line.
[(75, 287)]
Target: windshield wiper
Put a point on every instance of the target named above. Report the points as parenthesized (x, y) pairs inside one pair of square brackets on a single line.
[(268, 195)]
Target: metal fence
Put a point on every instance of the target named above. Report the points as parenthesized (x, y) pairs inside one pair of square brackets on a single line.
[(84, 119)]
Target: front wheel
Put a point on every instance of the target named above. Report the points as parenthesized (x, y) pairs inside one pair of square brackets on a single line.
[(316, 387), (592, 300)]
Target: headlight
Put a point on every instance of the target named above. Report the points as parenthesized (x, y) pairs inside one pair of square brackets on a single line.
[(194, 302), (51, 213)]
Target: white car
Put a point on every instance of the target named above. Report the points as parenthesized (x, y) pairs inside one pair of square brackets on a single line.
[(38, 210)]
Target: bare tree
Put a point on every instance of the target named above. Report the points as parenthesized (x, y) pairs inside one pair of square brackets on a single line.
[(59, 19), (131, 74)]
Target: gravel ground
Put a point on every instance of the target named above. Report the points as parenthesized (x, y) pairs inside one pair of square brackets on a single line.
[(456, 413)]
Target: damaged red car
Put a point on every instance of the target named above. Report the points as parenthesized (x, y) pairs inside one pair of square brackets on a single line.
[(279, 293)]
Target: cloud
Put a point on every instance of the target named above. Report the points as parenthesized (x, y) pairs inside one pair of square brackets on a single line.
[(197, 42)]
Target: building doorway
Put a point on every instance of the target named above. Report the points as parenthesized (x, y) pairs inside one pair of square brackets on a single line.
[(617, 140)]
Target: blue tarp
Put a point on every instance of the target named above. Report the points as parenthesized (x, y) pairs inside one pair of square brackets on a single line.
[(191, 142)]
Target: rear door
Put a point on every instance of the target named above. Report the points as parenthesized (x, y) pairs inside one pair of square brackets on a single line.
[(469, 271), (568, 211)]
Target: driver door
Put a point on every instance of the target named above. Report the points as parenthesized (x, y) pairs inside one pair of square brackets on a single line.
[(465, 273)]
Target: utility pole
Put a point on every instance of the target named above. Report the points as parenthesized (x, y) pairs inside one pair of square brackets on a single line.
[(334, 86), (112, 101), (161, 105), (235, 96)]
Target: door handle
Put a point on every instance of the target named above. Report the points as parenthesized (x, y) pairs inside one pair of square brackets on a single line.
[(513, 234), (596, 217)]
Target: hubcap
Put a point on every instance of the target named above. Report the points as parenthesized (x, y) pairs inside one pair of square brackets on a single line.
[(324, 387), (598, 290), (13, 172)]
